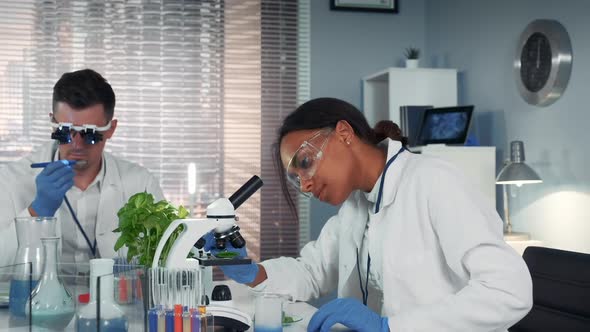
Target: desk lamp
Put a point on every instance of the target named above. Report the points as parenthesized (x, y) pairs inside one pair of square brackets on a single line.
[(518, 173)]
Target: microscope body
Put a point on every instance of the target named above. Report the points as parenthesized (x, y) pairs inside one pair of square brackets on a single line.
[(220, 217)]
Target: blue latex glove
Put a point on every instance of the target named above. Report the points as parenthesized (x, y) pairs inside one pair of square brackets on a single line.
[(52, 184), (243, 273), (350, 313)]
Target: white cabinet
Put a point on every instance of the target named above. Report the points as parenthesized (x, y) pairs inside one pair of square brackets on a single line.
[(385, 91)]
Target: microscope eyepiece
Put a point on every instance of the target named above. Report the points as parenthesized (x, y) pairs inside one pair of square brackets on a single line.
[(245, 191)]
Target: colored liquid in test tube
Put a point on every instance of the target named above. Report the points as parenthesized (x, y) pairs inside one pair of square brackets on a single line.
[(201, 322), (123, 296), (177, 318), (161, 321), (186, 321), (138, 291), (170, 320), (207, 323), (195, 321), (153, 320)]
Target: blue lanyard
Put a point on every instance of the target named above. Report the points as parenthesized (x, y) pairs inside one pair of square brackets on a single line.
[(365, 290), (92, 247), (389, 162)]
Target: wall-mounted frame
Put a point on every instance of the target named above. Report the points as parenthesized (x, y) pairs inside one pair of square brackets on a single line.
[(384, 6)]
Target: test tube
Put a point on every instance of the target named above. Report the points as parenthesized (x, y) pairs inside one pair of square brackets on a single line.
[(186, 321), (161, 320), (202, 306), (153, 320), (178, 318), (195, 321), (202, 295), (129, 288), (202, 314), (138, 292), (123, 297), (169, 320), (207, 323)]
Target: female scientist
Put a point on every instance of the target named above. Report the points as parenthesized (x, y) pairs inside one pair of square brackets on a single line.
[(414, 246)]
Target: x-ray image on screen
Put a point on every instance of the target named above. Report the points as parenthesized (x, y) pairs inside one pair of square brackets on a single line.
[(447, 125)]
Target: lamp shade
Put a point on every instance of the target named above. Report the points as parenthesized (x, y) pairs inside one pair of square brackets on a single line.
[(517, 172)]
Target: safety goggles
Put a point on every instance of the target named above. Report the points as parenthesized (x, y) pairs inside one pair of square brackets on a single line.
[(306, 159), (64, 132)]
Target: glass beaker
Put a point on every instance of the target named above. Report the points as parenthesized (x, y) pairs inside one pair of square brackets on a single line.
[(28, 261), (268, 313), (112, 318), (52, 307)]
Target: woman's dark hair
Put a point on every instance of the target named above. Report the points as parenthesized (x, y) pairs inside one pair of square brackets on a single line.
[(84, 88), (326, 113)]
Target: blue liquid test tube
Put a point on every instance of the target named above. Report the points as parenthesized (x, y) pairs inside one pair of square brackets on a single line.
[(170, 320), (153, 320)]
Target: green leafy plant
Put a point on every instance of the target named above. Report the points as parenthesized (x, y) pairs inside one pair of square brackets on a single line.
[(142, 222), (412, 53)]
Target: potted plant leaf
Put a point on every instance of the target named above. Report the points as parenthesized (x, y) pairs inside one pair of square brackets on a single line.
[(142, 222), (412, 55)]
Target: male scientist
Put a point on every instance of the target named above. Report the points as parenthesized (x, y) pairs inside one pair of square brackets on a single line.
[(81, 185)]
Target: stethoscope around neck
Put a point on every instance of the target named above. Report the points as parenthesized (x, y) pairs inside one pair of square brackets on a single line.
[(365, 289)]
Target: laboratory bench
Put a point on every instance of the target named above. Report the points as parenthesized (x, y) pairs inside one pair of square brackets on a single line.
[(242, 298)]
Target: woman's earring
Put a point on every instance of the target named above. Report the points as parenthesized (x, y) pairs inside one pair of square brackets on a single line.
[(348, 142)]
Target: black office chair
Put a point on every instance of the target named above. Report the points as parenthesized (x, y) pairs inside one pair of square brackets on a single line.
[(561, 291)]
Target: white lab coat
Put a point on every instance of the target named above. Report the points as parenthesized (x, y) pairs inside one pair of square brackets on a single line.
[(122, 180), (445, 264)]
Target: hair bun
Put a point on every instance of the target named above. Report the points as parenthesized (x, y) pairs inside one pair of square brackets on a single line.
[(389, 129)]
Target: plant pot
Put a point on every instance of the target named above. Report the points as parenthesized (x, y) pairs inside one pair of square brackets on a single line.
[(412, 63)]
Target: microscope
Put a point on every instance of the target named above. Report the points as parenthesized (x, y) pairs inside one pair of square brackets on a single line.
[(221, 217)]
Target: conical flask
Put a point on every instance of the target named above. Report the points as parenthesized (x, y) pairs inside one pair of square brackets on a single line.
[(52, 307), (28, 261), (112, 318)]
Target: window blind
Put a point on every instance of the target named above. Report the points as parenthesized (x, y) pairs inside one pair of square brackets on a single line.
[(205, 82)]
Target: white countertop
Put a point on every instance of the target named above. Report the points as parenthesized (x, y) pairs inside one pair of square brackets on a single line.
[(242, 297)]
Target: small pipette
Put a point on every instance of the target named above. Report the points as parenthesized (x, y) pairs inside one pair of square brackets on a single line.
[(65, 162)]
